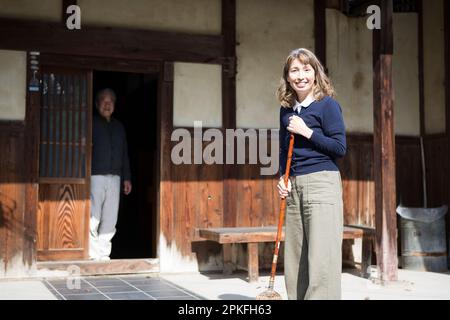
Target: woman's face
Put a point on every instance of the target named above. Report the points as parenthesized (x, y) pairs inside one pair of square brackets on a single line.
[(301, 78)]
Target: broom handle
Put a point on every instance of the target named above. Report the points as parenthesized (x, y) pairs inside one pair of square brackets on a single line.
[(281, 216)]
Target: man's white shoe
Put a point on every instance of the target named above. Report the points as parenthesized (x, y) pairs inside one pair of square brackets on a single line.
[(104, 258)]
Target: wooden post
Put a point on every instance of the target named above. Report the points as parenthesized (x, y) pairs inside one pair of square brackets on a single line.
[(253, 267), (229, 106), (420, 64), (320, 28), (447, 103), (31, 173), (228, 264), (384, 146), (165, 196)]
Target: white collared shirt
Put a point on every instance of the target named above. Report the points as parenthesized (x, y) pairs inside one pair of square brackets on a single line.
[(305, 104)]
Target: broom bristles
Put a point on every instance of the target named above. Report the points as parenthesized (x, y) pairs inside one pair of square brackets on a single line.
[(269, 295)]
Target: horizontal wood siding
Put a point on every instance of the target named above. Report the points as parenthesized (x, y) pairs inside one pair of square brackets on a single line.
[(437, 168), (357, 179), (357, 176), (198, 190)]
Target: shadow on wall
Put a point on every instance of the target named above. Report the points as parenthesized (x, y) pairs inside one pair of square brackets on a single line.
[(7, 208), (11, 230)]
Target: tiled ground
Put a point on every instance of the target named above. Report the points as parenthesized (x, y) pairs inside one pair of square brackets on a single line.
[(118, 288)]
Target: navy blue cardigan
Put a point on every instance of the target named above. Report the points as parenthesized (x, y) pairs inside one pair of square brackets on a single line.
[(109, 148), (327, 143)]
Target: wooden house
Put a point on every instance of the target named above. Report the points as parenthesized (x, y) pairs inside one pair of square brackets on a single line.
[(216, 61)]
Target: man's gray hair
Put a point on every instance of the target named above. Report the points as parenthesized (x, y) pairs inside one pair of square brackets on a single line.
[(103, 92)]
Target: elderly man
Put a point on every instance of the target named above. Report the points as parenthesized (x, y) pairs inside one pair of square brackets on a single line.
[(110, 163)]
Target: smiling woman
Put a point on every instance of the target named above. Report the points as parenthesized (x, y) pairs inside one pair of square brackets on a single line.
[(314, 214)]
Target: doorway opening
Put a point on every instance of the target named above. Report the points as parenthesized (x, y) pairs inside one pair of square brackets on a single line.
[(136, 109)]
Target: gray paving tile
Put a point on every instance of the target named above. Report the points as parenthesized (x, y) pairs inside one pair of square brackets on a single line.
[(142, 281), (87, 290), (153, 287), (56, 294), (105, 282), (124, 288), (163, 289), (178, 298), (121, 288), (138, 278), (129, 296), (85, 297), (169, 293)]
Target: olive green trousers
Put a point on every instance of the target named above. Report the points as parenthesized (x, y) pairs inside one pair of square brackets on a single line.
[(313, 244)]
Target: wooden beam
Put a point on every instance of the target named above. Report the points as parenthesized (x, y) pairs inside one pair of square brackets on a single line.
[(320, 27), (334, 4), (356, 8), (100, 63), (384, 146), (229, 106), (29, 35)]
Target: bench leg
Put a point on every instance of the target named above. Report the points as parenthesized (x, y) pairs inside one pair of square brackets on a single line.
[(228, 265), (366, 257), (253, 268)]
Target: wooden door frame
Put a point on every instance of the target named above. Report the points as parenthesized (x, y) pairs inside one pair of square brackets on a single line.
[(164, 71)]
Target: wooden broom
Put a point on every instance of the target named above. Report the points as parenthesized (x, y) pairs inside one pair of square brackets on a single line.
[(270, 293)]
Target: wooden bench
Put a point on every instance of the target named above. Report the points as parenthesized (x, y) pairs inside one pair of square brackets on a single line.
[(254, 235)]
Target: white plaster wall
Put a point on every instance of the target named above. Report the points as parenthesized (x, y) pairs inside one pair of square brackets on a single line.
[(405, 75), (13, 65), (47, 10), (433, 65), (195, 16), (171, 260), (197, 94), (267, 30), (349, 61)]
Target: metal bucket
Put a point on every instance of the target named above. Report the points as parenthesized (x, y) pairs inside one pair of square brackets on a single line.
[(423, 240)]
